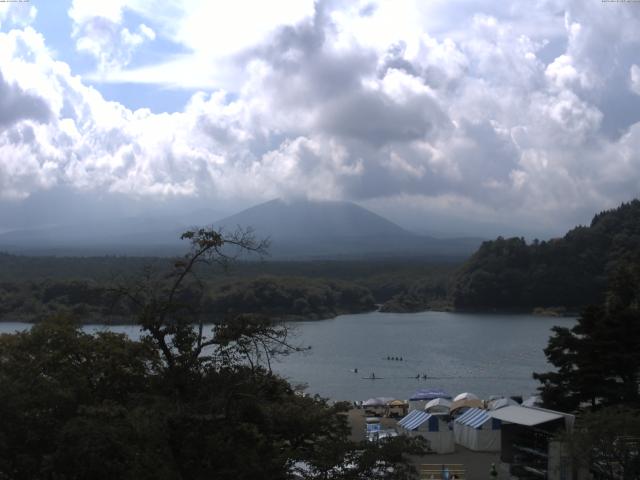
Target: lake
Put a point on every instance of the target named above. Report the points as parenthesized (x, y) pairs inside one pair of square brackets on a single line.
[(487, 354)]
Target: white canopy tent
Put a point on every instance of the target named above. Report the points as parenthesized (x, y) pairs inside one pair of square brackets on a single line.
[(438, 406), (377, 402), (477, 431), (465, 396), (497, 403), (460, 406), (432, 428)]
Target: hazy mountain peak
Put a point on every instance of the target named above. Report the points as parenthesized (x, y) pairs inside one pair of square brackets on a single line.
[(297, 219)]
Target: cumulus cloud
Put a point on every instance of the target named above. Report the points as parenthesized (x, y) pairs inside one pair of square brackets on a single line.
[(98, 31), (16, 14), (17, 105), (634, 79), (473, 113)]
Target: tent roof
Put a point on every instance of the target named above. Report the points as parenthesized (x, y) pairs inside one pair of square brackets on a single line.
[(397, 403), (438, 402), (414, 419), (465, 396), (429, 394), (474, 417), (501, 402), (467, 402), (524, 415), (377, 401)]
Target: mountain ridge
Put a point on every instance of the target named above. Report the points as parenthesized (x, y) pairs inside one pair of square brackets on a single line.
[(298, 230)]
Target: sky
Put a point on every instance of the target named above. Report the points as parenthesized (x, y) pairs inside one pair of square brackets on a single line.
[(465, 117)]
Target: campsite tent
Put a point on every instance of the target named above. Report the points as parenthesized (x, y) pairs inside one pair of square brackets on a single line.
[(465, 396), (438, 406), (376, 405), (461, 406), (396, 408), (377, 402), (432, 428), (477, 431), (420, 398), (497, 403)]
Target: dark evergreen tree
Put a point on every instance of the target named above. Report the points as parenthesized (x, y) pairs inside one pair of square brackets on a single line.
[(570, 272), (598, 360)]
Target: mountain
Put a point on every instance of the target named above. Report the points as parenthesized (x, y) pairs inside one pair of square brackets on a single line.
[(305, 219), (569, 272), (330, 229), (298, 230)]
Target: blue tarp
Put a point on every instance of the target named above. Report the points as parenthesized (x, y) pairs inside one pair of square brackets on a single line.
[(373, 427), (429, 394), (474, 417)]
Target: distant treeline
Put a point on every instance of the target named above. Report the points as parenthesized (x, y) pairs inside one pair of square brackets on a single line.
[(36, 287), (276, 297)]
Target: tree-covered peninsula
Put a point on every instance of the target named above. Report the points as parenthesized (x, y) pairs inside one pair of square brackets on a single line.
[(568, 272)]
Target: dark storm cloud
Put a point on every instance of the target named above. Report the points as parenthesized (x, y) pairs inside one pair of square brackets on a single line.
[(376, 119), (305, 68)]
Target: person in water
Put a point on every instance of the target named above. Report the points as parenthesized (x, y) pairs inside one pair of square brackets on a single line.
[(355, 370)]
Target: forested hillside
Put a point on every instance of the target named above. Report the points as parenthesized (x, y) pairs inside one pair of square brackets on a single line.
[(276, 297), (32, 288), (567, 272)]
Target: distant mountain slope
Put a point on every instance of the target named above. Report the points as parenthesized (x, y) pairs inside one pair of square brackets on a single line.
[(131, 236), (299, 230), (307, 219), (571, 271), (306, 229)]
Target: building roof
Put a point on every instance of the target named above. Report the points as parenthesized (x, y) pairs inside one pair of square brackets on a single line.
[(524, 415), (474, 417), (414, 419)]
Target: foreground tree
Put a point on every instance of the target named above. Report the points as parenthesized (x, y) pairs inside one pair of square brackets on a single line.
[(181, 403), (607, 443), (598, 360)]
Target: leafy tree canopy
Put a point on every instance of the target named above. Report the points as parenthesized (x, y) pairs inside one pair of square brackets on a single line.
[(181, 403)]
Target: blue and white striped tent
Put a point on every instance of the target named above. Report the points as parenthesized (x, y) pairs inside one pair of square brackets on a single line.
[(432, 428), (476, 430), (416, 418), (474, 417)]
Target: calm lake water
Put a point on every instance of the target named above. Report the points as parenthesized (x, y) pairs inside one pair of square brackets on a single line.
[(486, 354)]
